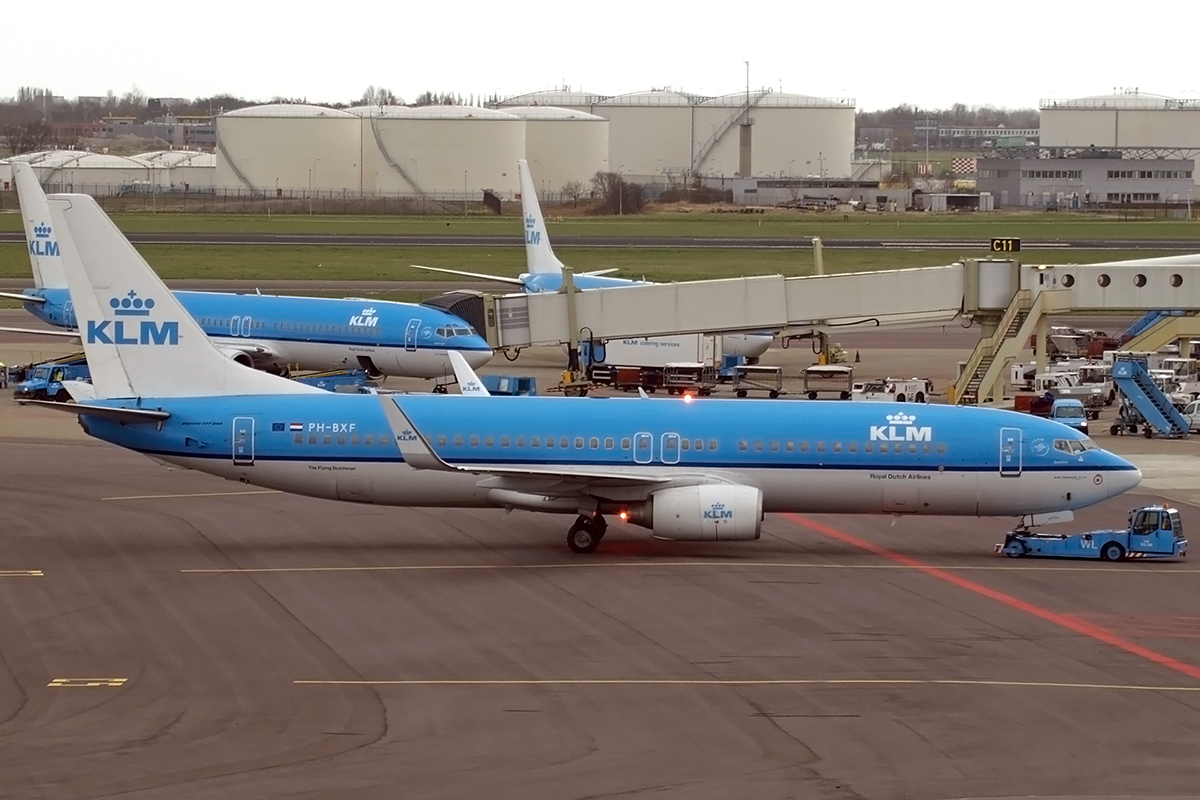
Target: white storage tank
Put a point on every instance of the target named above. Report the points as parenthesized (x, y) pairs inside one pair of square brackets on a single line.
[(5, 175), (555, 98), (289, 147), (649, 133), (1125, 119), (183, 170), (562, 145), (88, 173), (792, 135), (446, 151)]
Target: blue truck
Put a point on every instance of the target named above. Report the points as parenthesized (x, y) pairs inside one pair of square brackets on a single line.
[(1153, 532), (44, 381)]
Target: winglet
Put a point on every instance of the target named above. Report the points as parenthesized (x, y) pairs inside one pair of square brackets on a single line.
[(539, 256), (468, 382), (44, 254)]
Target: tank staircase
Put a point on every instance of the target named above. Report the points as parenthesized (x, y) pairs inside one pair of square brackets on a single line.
[(1139, 388), (743, 112), (233, 165)]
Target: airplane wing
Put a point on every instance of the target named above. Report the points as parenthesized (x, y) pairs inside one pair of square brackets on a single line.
[(24, 298), (121, 414), (483, 276), (42, 332)]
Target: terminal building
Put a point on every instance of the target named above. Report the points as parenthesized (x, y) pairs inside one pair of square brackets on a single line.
[(1087, 178)]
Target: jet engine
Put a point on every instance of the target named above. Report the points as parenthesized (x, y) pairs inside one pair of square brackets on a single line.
[(704, 513), (240, 356)]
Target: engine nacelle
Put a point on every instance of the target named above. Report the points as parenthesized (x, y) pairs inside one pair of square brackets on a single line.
[(240, 356), (704, 513)]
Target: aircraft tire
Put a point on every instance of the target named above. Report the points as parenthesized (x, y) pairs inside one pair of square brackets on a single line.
[(61, 396), (1112, 552), (584, 536), (741, 392)]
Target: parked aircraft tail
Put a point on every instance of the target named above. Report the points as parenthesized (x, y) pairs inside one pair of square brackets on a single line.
[(539, 255), (44, 255), (138, 339)]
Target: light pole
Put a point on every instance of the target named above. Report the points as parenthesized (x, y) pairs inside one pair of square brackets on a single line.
[(821, 163), (620, 192), (464, 192), (310, 192), (790, 173)]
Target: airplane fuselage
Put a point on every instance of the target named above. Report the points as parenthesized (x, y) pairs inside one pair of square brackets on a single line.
[(401, 339), (804, 456)]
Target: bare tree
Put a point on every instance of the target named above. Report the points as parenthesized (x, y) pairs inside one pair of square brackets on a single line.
[(616, 195), (27, 138), (573, 190)]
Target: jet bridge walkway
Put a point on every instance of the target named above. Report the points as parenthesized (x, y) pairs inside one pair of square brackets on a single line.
[(1011, 303)]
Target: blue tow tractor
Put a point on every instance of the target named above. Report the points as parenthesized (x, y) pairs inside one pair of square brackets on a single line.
[(1153, 532)]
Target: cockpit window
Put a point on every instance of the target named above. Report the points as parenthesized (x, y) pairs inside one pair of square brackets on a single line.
[(1074, 446)]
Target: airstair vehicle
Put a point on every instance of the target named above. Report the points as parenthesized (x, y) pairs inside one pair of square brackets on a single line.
[(1154, 406)]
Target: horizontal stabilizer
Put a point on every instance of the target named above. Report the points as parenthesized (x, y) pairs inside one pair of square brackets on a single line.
[(24, 298), (480, 275), (121, 414), (42, 332)]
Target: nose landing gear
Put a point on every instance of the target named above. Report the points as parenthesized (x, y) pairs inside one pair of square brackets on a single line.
[(585, 535)]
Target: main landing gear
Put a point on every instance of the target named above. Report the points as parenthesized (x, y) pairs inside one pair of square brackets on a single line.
[(586, 533)]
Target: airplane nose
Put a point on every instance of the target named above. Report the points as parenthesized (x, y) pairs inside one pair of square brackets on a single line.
[(1120, 481), (477, 358)]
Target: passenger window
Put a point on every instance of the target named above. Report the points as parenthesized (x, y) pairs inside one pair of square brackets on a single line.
[(299, 438), (489, 442), (684, 444), (774, 446), (536, 441), (474, 441), (549, 441), (520, 441), (883, 448), (837, 447), (312, 438), (699, 444), (626, 443), (712, 444), (609, 443), (564, 442), (853, 447), (594, 443), (354, 439), (820, 447), (941, 449), (868, 448), (578, 443), (504, 441), (791, 446), (758, 445), (370, 440), (927, 448), (804, 447), (742, 445), (341, 438), (457, 440), (383, 439), (912, 447), (326, 439), (441, 441)]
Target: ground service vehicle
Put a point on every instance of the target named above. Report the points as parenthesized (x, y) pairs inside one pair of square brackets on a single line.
[(752, 377), (1153, 532), (837, 378), (1068, 411), (684, 363), (44, 381), (898, 390)]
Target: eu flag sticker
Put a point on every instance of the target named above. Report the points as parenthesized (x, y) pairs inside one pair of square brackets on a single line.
[(276, 426)]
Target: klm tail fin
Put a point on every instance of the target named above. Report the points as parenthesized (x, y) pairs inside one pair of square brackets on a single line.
[(138, 339), (44, 255), (539, 256), (468, 381)]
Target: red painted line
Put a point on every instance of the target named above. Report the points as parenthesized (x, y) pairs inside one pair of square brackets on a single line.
[(1063, 620)]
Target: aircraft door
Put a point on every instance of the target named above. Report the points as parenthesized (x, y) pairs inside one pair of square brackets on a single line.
[(1010, 452), (235, 326), (69, 315), (243, 441), (643, 447), (669, 448), (246, 323), (410, 335)]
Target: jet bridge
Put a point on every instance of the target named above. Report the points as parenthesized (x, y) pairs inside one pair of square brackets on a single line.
[(1009, 301)]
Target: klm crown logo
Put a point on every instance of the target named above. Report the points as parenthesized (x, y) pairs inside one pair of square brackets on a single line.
[(532, 234), (366, 319), (901, 427), (146, 332), (41, 244), (131, 305)]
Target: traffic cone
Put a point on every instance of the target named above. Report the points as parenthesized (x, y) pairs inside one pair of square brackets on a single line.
[(856, 358)]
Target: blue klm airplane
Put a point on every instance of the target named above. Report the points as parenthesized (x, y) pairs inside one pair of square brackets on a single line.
[(545, 271), (698, 470), (268, 331)]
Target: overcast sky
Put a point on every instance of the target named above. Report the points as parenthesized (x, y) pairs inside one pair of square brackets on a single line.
[(1005, 54)]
